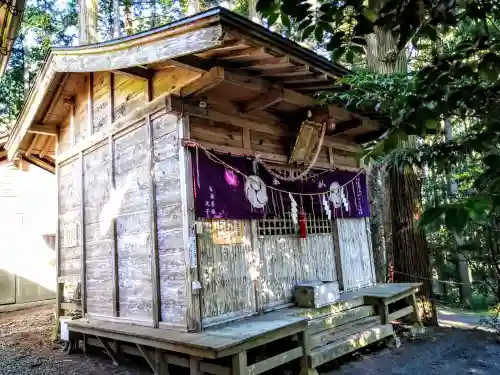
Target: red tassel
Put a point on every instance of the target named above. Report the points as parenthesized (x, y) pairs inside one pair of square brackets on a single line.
[(302, 224)]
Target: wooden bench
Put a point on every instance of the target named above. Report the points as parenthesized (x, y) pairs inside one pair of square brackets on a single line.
[(382, 295)]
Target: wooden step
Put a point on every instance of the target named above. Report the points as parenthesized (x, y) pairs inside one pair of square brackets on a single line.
[(334, 308), (349, 344), (341, 318), (337, 333)]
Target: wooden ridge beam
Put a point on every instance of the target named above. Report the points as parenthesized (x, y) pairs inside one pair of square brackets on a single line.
[(137, 71), (207, 81), (264, 101), (43, 129)]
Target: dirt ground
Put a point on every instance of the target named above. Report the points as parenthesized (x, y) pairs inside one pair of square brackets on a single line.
[(26, 349)]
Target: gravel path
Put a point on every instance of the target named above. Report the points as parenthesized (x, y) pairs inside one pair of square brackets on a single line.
[(26, 349)]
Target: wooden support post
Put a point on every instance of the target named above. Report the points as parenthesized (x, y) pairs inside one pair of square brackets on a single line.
[(155, 268), (416, 312), (384, 309), (194, 301), (90, 105), (239, 364), (83, 266), (114, 271), (161, 362), (338, 256), (111, 99), (108, 349), (305, 364), (59, 287), (194, 366), (257, 283)]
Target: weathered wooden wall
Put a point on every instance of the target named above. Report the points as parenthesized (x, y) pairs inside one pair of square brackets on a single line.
[(98, 241), (355, 253), (287, 259), (227, 274), (171, 246), (69, 176), (137, 208)]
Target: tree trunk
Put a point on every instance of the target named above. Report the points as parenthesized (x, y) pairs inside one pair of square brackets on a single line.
[(26, 69), (193, 7), (463, 267), (410, 254), (252, 11), (377, 223), (88, 21), (116, 18), (127, 10)]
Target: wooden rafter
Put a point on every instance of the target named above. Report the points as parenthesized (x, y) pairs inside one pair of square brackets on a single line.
[(45, 147), (268, 63), (265, 100), (289, 71), (43, 129), (228, 46), (207, 81), (247, 52), (306, 79), (344, 126), (137, 71), (40, 163), (32, 145), (314, 86)]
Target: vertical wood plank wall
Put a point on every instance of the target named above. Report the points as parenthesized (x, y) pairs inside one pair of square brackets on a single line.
[(69, 213), (287, 260), (227, 273), (355, 253), (117, 204), (133, 230), (98, 241), (171, 246)]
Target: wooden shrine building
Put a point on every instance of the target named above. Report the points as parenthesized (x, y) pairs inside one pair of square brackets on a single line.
[(199, 182)]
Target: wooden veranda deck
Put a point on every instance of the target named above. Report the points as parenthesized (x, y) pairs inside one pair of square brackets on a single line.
[(314, 335)]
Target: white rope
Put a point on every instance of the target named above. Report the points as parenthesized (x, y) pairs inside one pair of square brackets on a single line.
[(217, 160)]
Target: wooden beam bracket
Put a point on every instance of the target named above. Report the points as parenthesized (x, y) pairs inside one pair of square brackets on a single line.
[(207, 81), (137, 71), (43, 129), (108, 349), (264, 101)]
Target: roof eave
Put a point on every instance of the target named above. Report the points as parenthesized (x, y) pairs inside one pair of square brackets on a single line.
[(9, 32)]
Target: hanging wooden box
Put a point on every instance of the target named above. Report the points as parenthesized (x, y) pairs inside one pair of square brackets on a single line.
[(317, 293)]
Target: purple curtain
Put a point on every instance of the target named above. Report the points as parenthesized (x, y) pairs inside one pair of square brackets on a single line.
[(223, 193)]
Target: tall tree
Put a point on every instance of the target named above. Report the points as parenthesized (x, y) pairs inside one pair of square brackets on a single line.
[(88, 21), (116, 18)]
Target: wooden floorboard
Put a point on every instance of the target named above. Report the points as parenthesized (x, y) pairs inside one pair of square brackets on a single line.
[(212, 342), (349, 344)]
